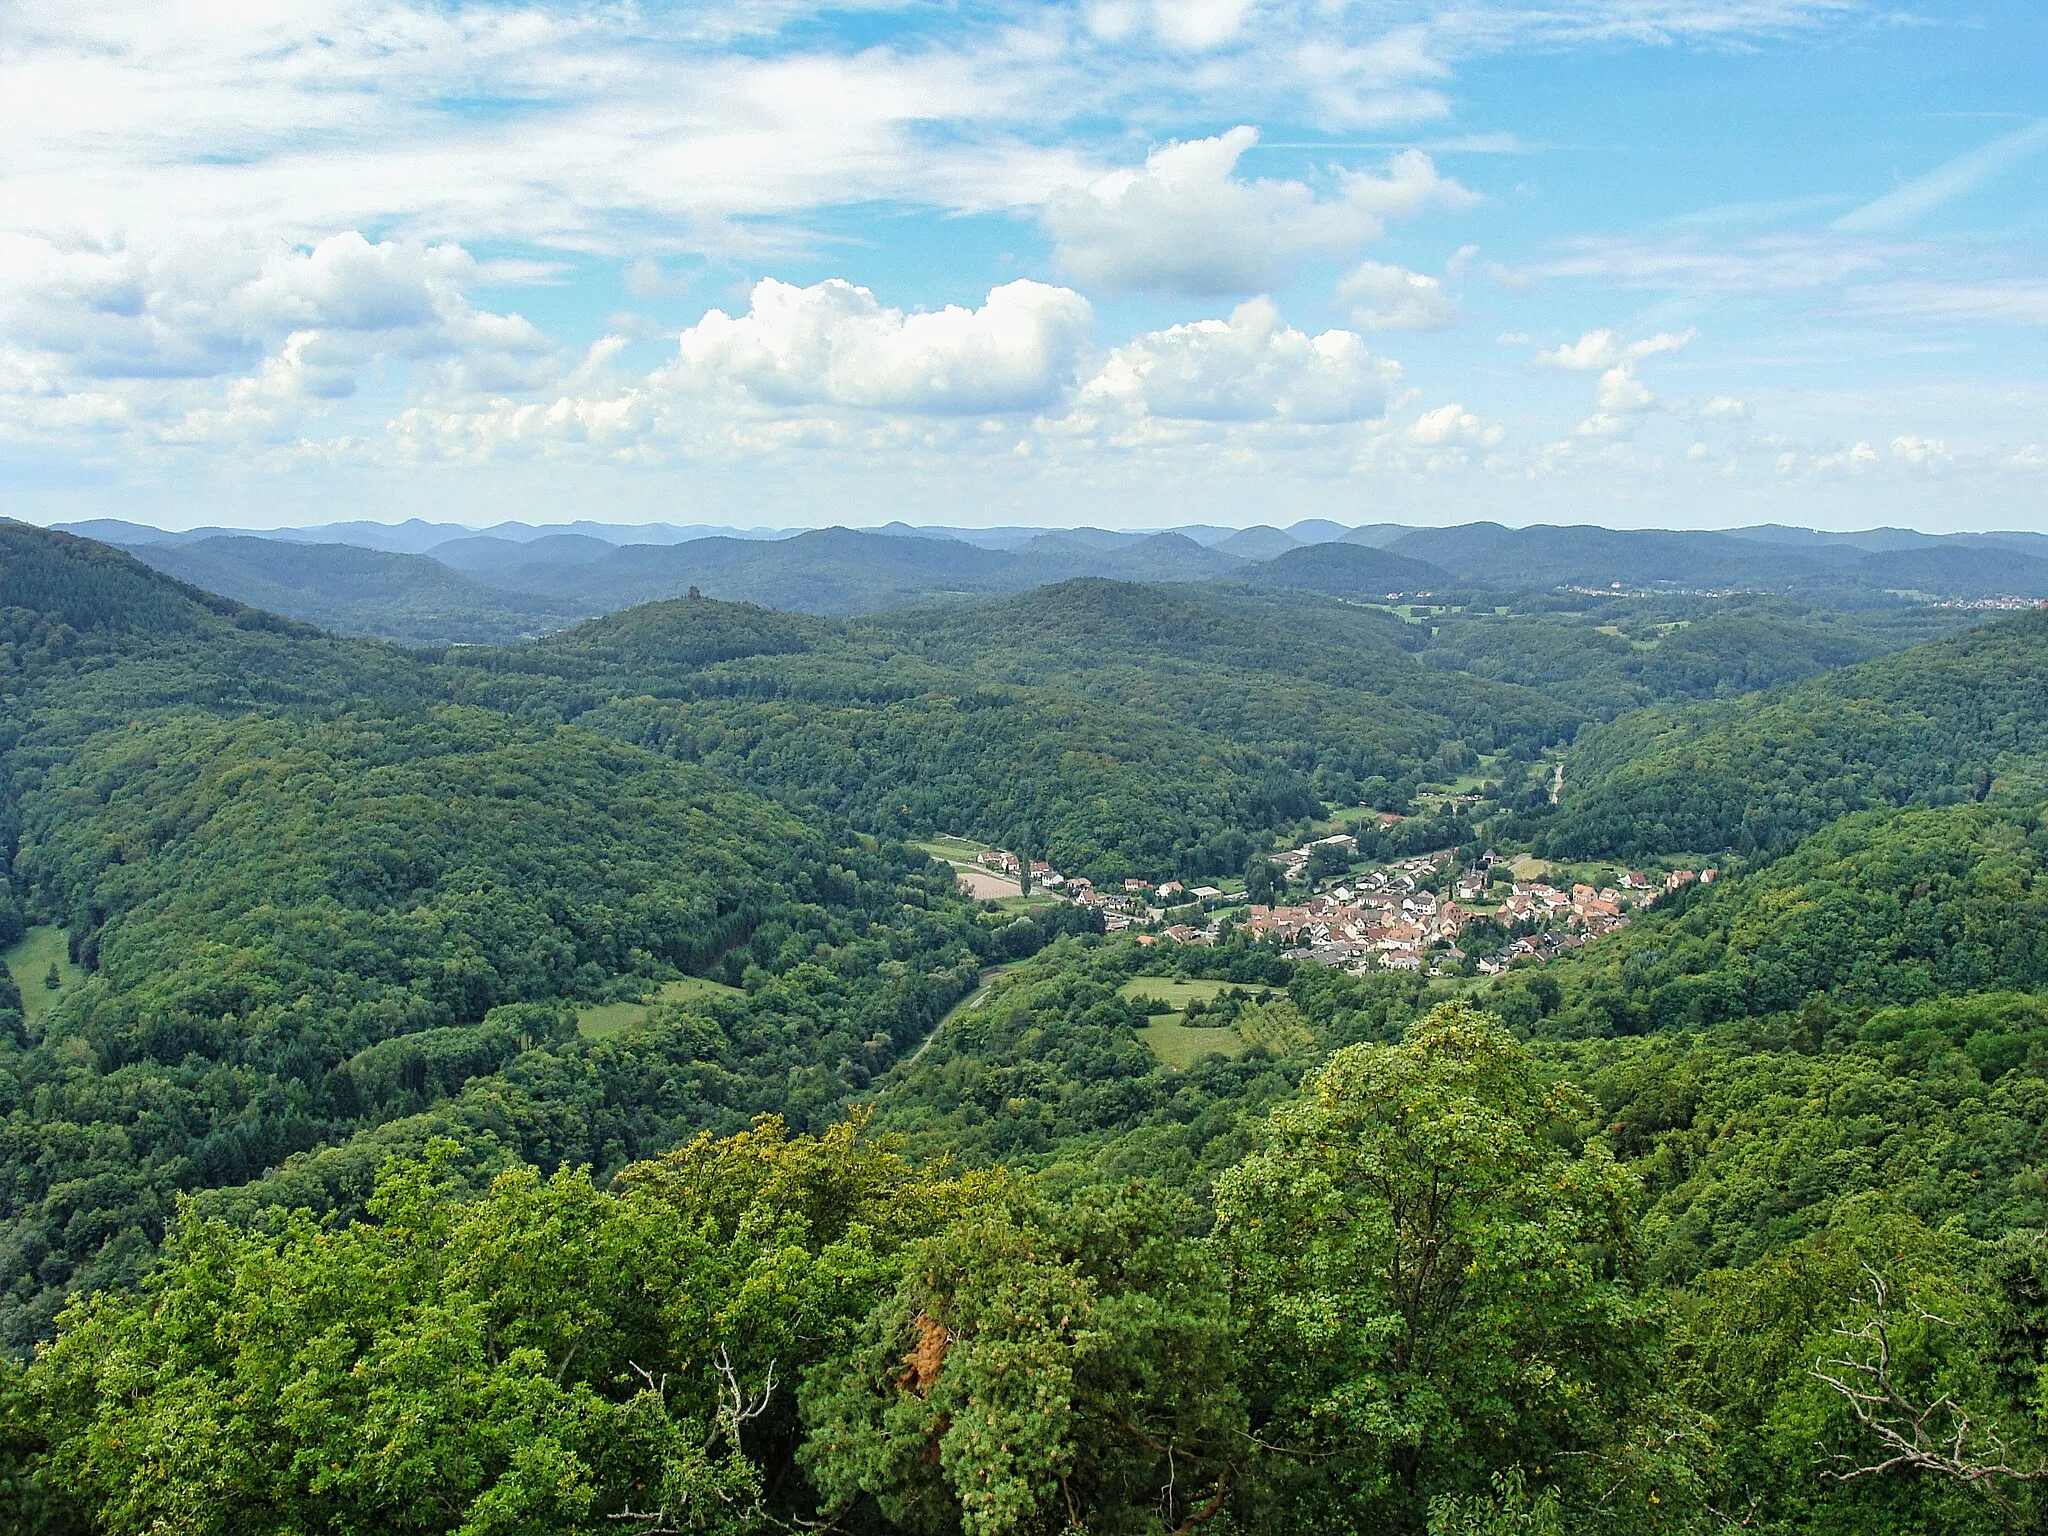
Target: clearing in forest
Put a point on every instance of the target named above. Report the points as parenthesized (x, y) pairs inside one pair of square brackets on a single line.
[(600, 1019), (29, 961)]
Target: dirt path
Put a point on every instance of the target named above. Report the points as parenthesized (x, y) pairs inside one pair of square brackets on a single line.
[(974, 999), (1557, 782)]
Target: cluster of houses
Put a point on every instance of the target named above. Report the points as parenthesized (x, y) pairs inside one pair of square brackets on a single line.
[(1390, 918), (1387, 918), (1393, 919), (1043, 876), (1141, 901), (1565, 920)]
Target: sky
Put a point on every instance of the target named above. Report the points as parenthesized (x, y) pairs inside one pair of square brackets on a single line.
[(1131, 263)]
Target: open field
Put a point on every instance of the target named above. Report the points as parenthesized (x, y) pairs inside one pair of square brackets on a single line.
[(1168, 1034), (986, 884), (979, 882), (959, 849), (602, 1019), (1180, 1047), (29, 962), (1171, 990)]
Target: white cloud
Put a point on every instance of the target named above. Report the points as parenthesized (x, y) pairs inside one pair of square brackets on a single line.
[(1453, 424), (635, 129), (2031, 457), (1623, 393), (1191, 25), (1603, 424), (1620, 396), (1186, 224), (835, 344), (1856, 458), (212, 341), (1251, 367), (1726, 408), (1921, 452), (1600, 350), (1388, 298), (187, 309), (1772, 264)]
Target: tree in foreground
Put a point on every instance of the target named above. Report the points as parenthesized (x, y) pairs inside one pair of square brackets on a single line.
[(1433, 1288)]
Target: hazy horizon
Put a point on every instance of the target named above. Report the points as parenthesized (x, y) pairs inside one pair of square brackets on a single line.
[(962, 525)]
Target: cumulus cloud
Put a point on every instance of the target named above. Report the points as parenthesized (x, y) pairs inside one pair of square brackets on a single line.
[(207, 342), (835, 344), (1853, 458), (1921, 452), (1726, 408), (1623, 393), (186, 310), (1620, 396), (1449, 424), (1251, 367), (1185, 223), (1599, 350), (1388, 298)]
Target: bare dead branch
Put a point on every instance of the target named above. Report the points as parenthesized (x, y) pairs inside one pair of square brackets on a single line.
[(1941, 1437)]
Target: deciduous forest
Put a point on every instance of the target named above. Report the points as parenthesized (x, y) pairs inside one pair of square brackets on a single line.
[(565, 1085)]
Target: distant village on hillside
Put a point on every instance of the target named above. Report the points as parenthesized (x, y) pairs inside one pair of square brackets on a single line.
[(1424, 914)]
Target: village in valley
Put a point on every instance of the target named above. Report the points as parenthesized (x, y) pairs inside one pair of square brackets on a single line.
[(1427, 913)]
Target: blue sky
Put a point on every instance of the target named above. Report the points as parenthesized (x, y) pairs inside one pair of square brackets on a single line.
[(1129, 262)]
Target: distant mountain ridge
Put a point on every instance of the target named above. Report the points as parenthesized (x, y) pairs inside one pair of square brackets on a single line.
[(356, 591), (518, 579)]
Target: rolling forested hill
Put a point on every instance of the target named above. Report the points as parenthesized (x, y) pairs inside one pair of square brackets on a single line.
[(359, 591), (1126, 729), (277, 855), (537, 1088), (1957, 719), (1611, 656)]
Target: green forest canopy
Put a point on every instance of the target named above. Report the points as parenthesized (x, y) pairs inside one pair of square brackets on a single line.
[(329, 1216)]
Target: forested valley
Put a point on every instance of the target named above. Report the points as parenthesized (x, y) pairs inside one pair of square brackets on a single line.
[(567, 1086)]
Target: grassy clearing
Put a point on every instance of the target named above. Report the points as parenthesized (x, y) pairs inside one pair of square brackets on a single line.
[(1029, 903), (602, 1019), (1171, 990), (956, 850), (1180, 1047), (29, 962)]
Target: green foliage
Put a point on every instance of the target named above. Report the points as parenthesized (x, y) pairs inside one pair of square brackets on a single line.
[(312, 903), (355, 591), (1883, 907), (1432, 1288), (324, 914), (543, 1359), (1038, 1367), (1129, 730), (1618, 657), (1955, 720)]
